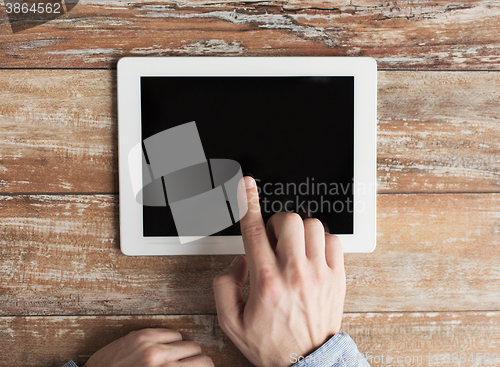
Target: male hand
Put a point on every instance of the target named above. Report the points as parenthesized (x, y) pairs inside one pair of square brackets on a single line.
[(297, 286), (150, 348)]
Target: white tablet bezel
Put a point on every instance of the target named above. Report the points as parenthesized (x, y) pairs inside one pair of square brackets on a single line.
[(130, 70)]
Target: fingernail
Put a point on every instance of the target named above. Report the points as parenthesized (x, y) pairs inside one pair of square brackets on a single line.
[(236, 261), (249, 182)]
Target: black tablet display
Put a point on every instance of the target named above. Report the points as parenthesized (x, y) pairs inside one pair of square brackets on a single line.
[(293, 134)]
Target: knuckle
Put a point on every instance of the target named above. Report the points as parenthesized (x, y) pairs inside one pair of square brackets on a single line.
[(271, 292), (314, 224), (253, 230), (218, 280), (325, 283), (177, 334), (253, 198), (139, 336), (294, 264), (298, 280), (221, 279), (206, 361), (269, 284), (194, 346), (267, 275), (291, 219), (152, 356), (323, 274)]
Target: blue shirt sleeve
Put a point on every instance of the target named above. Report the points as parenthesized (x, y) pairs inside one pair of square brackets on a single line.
[(339, 351), (70, 364)]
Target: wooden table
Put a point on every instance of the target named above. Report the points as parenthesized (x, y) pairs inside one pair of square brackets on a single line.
[(431, 286)]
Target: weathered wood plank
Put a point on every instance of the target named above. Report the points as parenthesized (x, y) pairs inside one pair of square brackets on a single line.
[(420, 336), (51, 341), (438, 131), (59, 256), (404, 34), (59, 131)]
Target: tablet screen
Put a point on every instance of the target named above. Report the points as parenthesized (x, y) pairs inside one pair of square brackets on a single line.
[(294, 135)]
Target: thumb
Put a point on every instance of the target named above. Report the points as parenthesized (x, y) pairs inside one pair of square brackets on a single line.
[(228, 293)]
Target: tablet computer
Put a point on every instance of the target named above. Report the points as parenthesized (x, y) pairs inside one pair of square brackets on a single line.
[(190, 127)]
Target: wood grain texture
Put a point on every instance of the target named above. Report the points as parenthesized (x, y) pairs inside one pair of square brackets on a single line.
[(59, 131), (399, 34), (53, 341), (59, 256), (438, 131), (411, 335), (420, 336)]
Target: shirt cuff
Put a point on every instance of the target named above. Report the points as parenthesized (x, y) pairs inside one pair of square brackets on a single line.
[(339, 351), (70, 364)]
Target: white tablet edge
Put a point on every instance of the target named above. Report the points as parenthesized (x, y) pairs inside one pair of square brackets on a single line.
[(130, 69)]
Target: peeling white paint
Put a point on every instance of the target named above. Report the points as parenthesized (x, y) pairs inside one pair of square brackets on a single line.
[(212, 46), (268, 21), (86, 52)]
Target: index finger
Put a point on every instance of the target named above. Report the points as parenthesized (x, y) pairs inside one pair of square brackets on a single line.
[(257, 246)]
